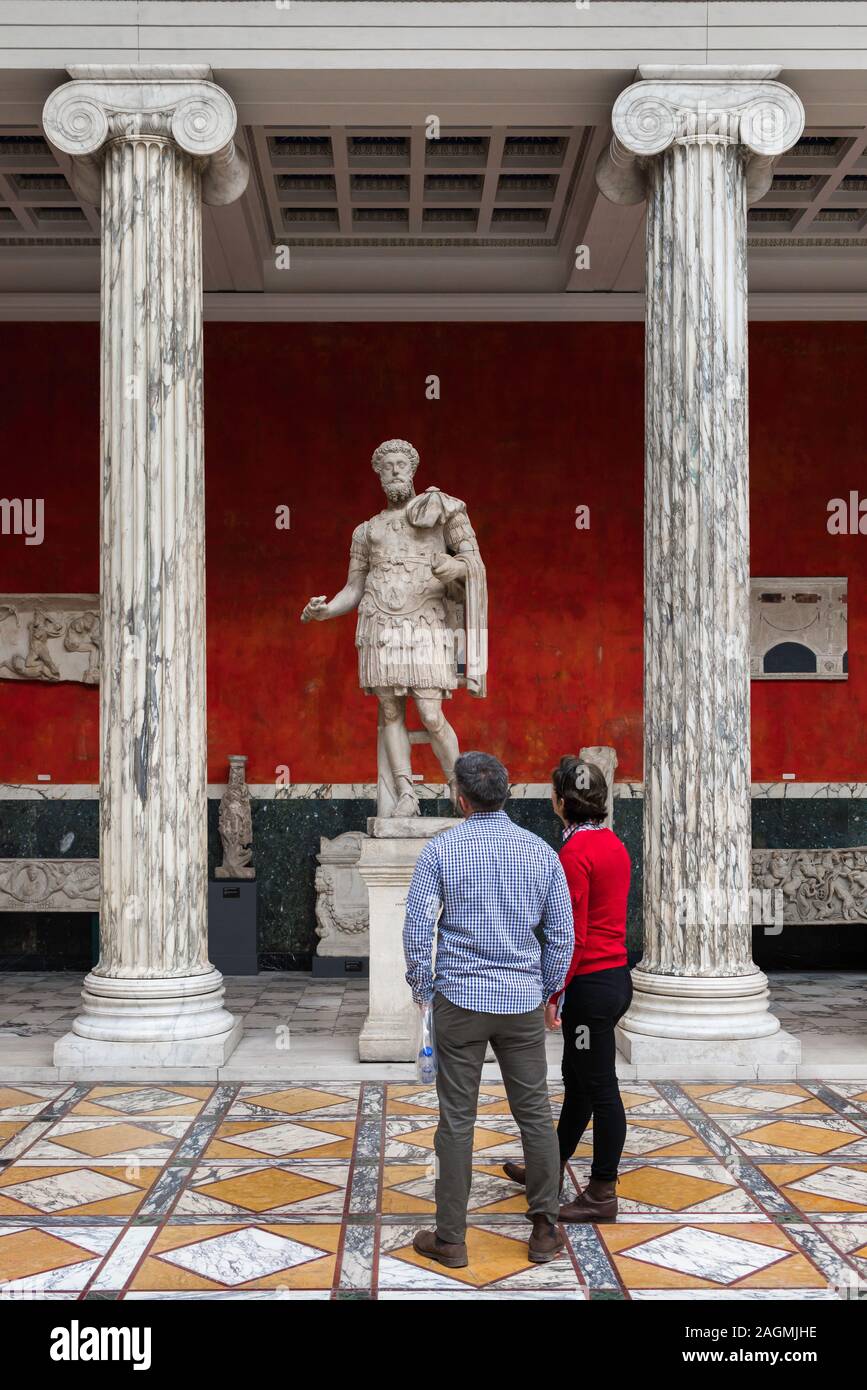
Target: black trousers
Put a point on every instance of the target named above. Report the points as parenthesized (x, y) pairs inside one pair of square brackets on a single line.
[(594, 1003)]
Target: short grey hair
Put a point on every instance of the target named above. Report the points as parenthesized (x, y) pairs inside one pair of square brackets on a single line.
[(482, 780), (394, 446)]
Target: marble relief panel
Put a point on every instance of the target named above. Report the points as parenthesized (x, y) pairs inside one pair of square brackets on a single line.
[(799, 629), (50, 637)]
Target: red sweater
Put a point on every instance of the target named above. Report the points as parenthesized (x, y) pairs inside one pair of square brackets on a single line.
[(597, 868)]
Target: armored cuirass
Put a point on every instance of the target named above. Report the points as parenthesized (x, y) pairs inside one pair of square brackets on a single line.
[(404, 638), (400, 580)]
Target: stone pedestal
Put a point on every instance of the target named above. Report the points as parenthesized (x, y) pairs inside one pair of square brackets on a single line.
[(151, 144), (698, 144), (386, 863), (773, 1058), (341, 902)]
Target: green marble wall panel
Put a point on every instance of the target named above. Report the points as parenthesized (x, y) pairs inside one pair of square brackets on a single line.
[(286, 836)]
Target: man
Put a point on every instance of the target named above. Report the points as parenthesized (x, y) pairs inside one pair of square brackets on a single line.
[(413, 569), (495, 883)]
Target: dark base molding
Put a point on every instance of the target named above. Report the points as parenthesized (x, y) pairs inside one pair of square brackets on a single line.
[(285, 960), (341, 967), (834, 946)]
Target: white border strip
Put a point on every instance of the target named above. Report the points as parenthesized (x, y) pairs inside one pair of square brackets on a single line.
[(357, 791)]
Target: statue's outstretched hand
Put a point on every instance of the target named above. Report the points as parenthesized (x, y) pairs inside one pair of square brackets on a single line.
[(316, 611)]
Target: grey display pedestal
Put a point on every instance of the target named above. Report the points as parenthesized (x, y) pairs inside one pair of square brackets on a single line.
[(232, 945)]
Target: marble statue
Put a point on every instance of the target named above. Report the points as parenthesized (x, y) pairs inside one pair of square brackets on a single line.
[(236, 823), (418, 582)]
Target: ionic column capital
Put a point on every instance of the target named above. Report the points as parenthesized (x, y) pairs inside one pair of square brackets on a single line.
[(699, 105), (135, 102)]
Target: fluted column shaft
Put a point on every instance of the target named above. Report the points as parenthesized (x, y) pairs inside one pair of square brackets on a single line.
[(153, 840), (696, 554), (697, 145), (147, 142)]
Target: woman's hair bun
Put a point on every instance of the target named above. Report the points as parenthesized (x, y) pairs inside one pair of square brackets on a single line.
[(582, 789)]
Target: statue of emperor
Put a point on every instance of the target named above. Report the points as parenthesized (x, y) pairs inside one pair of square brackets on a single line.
[(418, 582)]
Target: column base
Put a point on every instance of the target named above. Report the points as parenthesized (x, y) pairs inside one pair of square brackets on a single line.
[(713, 1008), (75, 1056), (705, 1028), (164, 1010), (724, 1059)]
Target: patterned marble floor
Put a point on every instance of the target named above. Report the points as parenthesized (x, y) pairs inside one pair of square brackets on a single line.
[(728, 1191)]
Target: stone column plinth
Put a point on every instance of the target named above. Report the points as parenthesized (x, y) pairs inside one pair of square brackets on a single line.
[(386, 863), (698, 144), (150, 144)]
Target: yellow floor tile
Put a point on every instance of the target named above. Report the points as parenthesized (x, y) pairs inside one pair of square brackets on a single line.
[(663, 1188), (491, 1257), (263, 1189), (33, 1252), (801, 1138)]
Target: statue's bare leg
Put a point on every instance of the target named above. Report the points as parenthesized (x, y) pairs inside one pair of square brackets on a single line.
[(443, 739), (397, 750)]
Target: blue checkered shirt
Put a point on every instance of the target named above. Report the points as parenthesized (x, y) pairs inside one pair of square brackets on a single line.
[(495, 883)]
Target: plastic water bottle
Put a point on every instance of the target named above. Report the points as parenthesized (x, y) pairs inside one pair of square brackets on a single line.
[(426, 1048), (426, 1067)]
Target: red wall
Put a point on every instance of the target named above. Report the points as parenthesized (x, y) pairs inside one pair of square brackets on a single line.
[(533, 420)]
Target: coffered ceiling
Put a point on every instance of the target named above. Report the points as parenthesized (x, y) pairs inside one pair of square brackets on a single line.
[(430, 159), (376, 208)]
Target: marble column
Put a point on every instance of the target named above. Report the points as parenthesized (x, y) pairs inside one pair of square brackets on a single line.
[(151, 143), (698, 144)]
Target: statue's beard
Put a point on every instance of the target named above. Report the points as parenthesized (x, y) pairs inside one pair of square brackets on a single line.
[(397, 491)]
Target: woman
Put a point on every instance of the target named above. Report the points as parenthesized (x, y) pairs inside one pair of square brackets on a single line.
[(597, 990)]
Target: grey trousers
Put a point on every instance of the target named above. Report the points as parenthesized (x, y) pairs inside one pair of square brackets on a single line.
[(518, 1040)]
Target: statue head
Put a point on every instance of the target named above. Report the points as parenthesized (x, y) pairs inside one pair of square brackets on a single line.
[(396, 461)]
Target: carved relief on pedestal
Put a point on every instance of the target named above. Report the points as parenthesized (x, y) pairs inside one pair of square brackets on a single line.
[(342, 911), (817, 885), (236, 823), (799, 629), (49, 885), (50, 637)]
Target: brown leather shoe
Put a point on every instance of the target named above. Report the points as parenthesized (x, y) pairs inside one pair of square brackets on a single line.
[(598, 1202), (518, 1173), (428, 1243), (546, 1242)]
